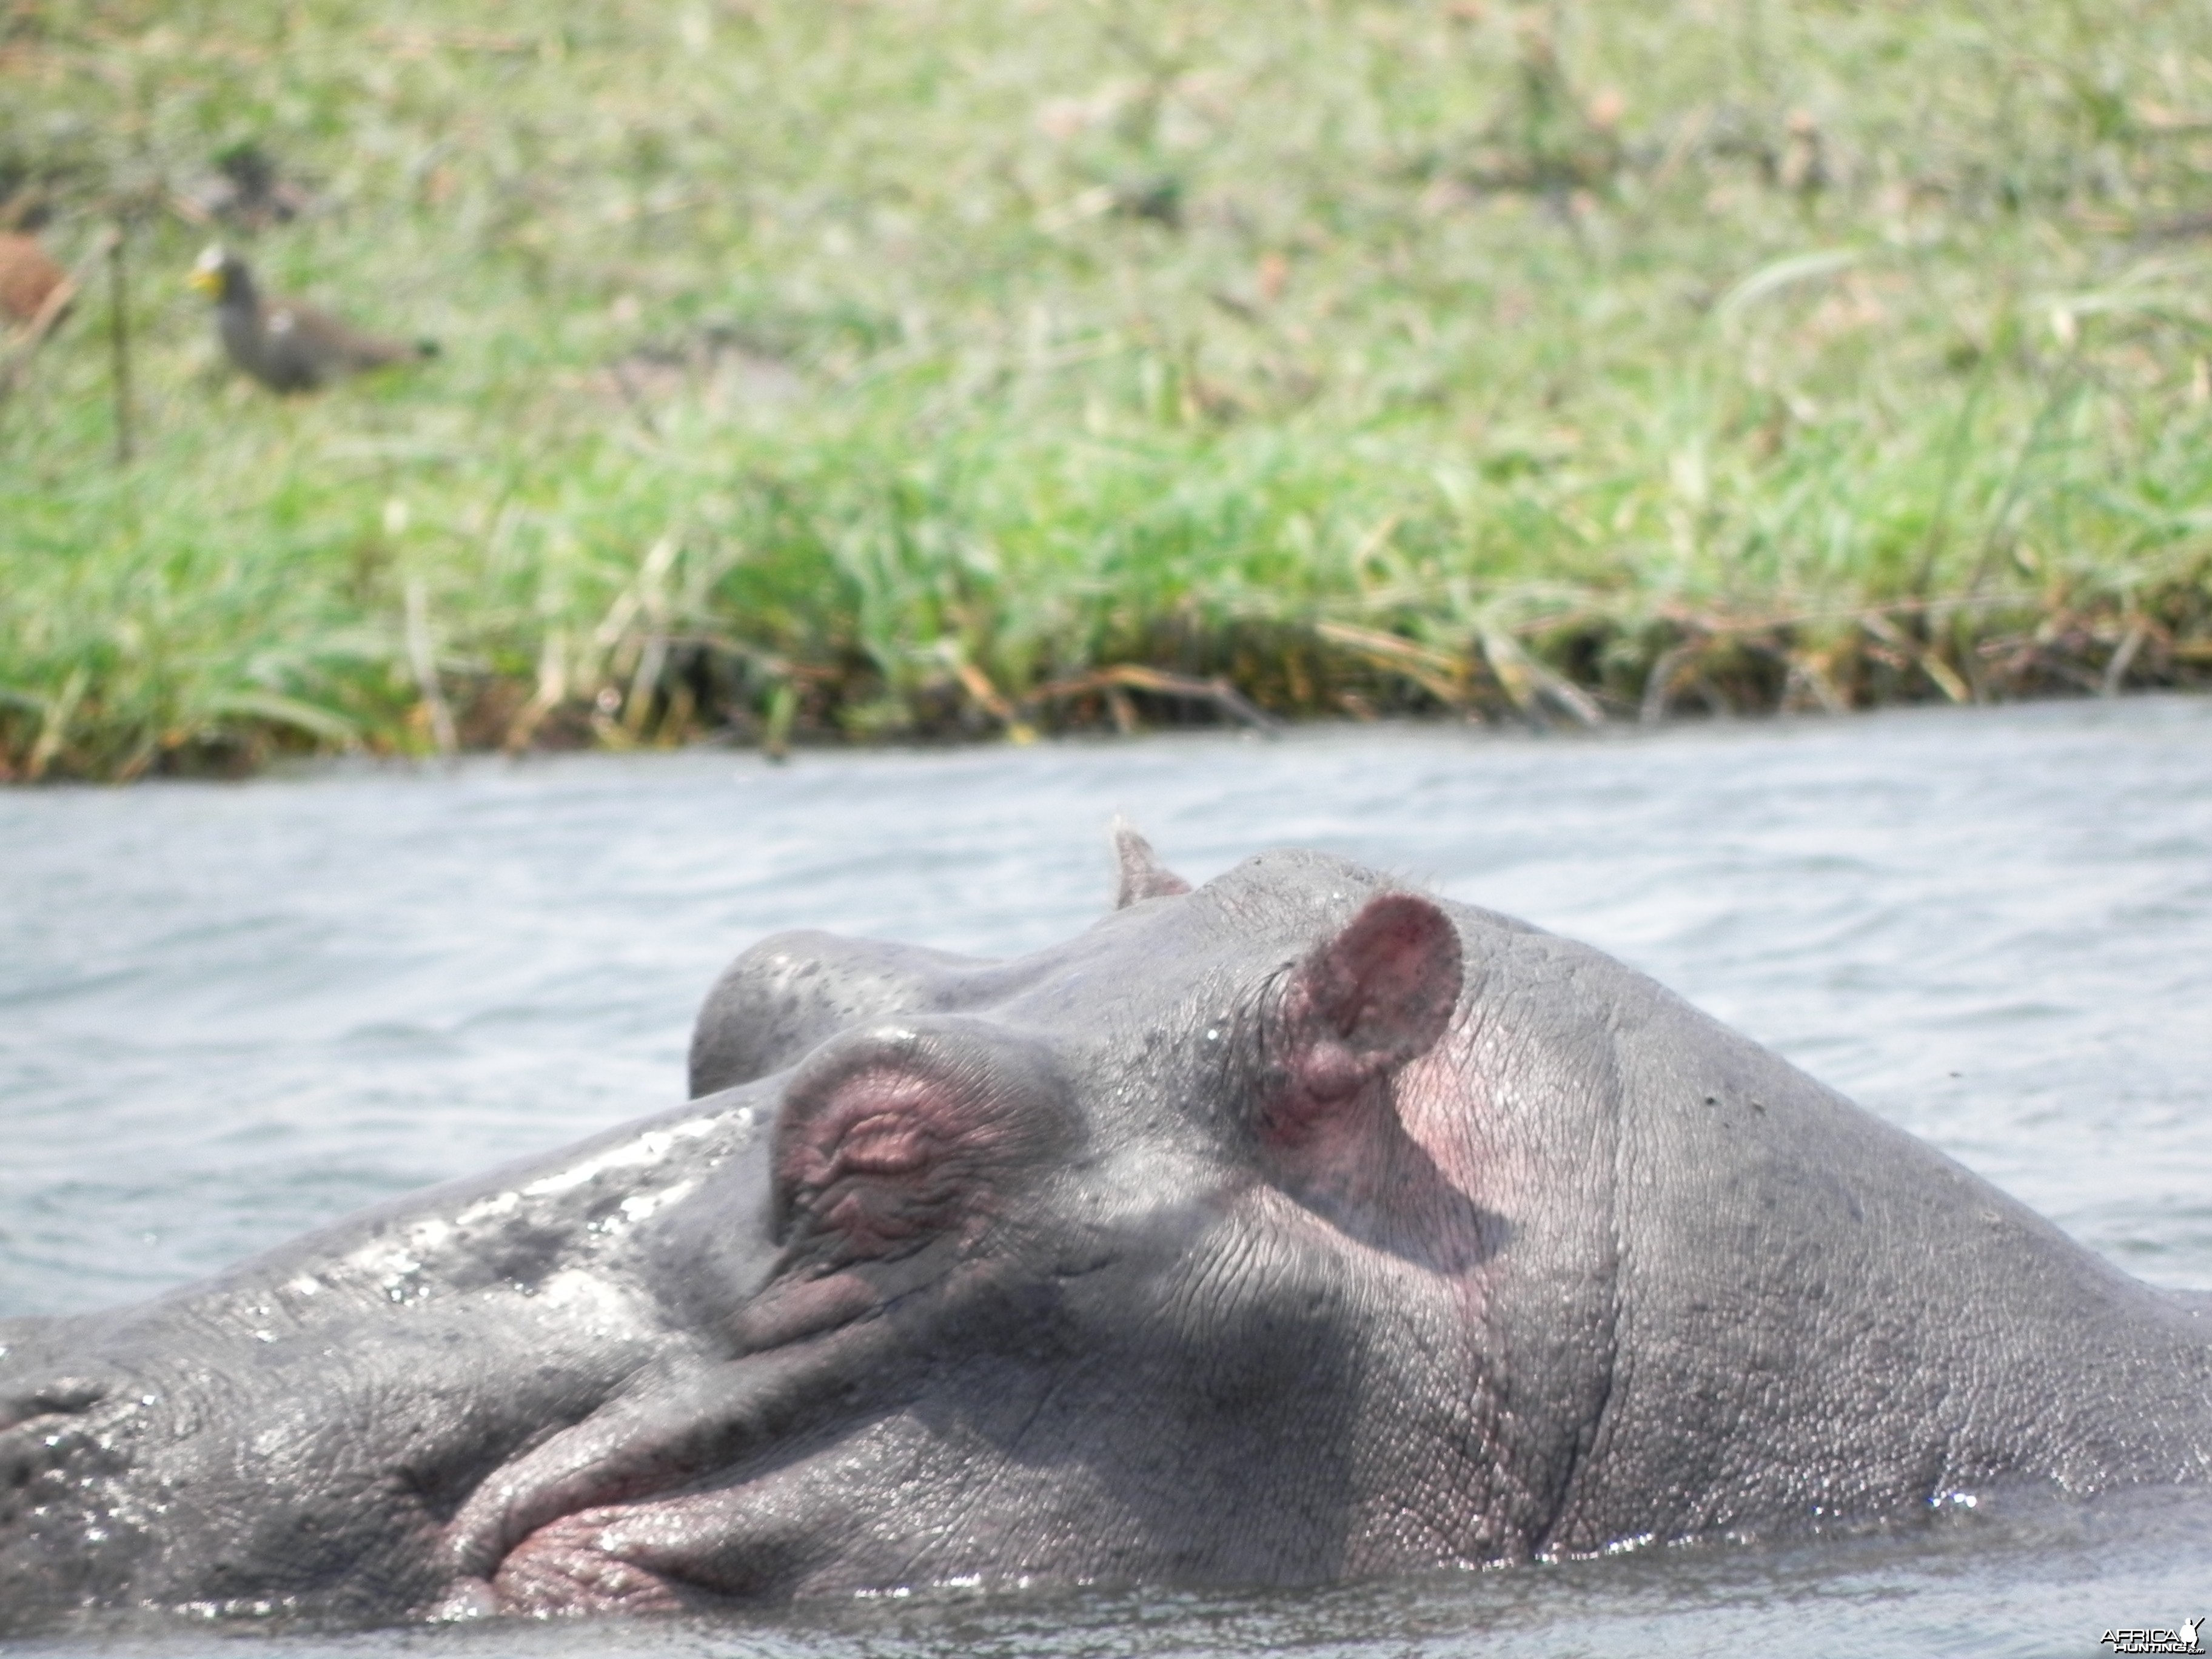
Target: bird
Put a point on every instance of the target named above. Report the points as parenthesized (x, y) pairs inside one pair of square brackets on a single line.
[(285, 345), (28, 278)]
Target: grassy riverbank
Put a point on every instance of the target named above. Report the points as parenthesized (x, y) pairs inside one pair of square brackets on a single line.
[(894, 367)]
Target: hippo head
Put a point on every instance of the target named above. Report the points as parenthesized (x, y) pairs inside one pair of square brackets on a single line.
[(1293, 1228), (1184, 1251), (1198, 1248)]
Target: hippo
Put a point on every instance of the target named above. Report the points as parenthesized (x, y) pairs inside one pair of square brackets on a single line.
[(1293, 1228)]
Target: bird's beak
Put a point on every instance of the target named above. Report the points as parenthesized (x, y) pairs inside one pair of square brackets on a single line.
[(205, 279)]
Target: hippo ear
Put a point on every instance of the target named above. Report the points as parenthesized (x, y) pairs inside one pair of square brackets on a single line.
[(1138, 872), (1371, 998)]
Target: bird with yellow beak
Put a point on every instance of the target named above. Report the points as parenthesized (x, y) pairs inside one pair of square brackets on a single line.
[(285, 345)]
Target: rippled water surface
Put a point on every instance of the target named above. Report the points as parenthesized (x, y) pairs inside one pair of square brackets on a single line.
[(228, 1013)]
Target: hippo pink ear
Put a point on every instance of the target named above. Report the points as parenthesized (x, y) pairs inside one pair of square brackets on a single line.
[(1370, 999), (1139, 874)]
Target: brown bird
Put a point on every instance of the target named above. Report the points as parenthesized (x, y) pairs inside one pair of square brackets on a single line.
[(28, 277), (285, 345)]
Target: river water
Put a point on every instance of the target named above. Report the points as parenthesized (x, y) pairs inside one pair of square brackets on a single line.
[(232, 1012)]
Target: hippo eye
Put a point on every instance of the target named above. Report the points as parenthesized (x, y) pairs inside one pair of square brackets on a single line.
[(885, 1143), (879, 1165), (902, 1136)]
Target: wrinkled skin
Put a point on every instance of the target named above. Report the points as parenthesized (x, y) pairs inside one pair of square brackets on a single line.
[(1292, 1229)]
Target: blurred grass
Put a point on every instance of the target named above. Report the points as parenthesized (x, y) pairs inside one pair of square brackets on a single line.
[(891, 367)]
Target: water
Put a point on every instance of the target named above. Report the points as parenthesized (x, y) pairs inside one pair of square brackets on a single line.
[(228, 1013)]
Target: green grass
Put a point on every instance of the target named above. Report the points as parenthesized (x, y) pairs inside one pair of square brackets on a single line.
[(1370, 357)]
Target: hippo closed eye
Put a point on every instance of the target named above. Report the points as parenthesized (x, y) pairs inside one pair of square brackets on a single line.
[(1292, 1228)]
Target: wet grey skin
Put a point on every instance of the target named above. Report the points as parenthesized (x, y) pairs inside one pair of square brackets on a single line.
[(1293, 1229)]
